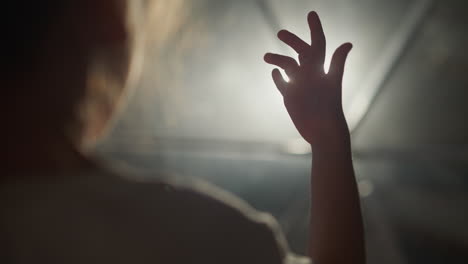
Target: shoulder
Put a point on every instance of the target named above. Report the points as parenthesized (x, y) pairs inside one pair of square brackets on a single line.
[(218, 222), (223, 224), (179, 221)]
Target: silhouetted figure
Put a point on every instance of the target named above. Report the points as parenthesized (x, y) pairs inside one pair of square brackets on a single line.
[(67, 64)]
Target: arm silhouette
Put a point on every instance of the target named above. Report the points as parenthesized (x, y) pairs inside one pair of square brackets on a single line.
[(313, 101)]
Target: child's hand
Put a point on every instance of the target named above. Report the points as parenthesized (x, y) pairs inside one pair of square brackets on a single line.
[(312, 97)]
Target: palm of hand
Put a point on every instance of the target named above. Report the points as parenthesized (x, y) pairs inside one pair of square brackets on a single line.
[(312, 97), (314, 105)]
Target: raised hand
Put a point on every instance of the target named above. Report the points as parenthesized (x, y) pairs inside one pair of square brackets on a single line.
[(312, 97)]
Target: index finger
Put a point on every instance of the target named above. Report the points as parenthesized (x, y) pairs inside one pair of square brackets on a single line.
[(293, 41)]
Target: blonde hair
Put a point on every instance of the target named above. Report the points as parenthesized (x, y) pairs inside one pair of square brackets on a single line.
[(154, 26)]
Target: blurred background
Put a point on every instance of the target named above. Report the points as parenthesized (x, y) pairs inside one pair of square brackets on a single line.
[(218, 117)]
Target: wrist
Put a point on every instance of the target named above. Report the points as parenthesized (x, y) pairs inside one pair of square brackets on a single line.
[(333, 138)]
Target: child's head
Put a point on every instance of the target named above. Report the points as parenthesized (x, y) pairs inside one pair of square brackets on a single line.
[(66, 64)]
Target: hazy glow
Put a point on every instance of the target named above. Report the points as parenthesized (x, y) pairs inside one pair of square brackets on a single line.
[(365, 188), (297, 146), (225, 91)]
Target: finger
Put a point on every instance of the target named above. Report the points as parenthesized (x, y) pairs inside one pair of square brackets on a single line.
[(293, 41), (338, 62), (318, 38), (279, 81), (284, 62)]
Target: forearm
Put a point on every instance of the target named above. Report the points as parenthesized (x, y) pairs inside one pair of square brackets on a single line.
[(313, 100), (336, 229)]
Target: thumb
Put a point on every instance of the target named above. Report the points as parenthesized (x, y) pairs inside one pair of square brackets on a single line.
[(338, 62)]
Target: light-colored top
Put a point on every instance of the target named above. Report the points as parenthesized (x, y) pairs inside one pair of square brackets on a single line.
[(102, 218)]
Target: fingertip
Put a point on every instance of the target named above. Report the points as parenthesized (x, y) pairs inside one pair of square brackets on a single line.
[(312, 14), (282, 33), (269, 57), (275, 72), (345, 48), (278, 80), (277, 77), (313, 17)]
